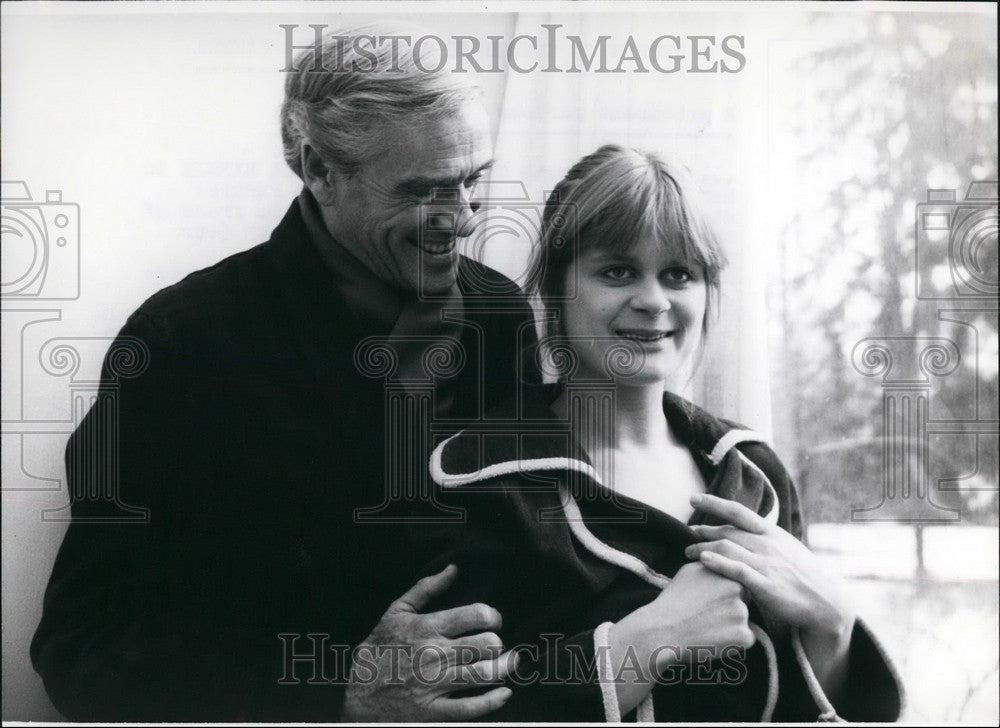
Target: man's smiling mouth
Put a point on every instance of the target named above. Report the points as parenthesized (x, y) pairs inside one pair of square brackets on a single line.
[(443, 247)]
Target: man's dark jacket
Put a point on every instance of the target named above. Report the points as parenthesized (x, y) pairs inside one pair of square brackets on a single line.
[(251, 438)]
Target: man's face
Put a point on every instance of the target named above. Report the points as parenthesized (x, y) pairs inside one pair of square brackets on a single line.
[(390, 214)]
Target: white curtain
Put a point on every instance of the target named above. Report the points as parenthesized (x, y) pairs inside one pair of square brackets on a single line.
[(715, 124)]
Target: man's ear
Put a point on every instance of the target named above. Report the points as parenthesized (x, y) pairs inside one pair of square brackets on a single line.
[(318, 177)]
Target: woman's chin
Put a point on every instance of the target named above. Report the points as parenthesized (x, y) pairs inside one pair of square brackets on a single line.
[(652, 378)]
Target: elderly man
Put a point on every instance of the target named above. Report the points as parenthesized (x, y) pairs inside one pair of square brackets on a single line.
[(257, 441)]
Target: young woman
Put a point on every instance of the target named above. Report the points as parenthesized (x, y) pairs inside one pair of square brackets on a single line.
[(644, 555)]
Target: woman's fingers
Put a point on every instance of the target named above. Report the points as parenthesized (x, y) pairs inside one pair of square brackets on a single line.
[(732, 533), (731, 512), (734, 569), (729, 549)]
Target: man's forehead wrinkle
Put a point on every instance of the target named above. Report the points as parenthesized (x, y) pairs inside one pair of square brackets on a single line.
[(437, 160), (438, 155), (430, 179)]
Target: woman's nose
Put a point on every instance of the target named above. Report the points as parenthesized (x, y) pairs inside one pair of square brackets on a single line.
[(651, 298)]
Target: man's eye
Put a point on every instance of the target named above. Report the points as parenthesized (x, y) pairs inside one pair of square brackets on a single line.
[(617, 273), (420, 193), (472, 181), (445, 194)]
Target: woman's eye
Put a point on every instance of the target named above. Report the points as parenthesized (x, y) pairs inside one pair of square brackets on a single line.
[(678, 275), (617, 273)]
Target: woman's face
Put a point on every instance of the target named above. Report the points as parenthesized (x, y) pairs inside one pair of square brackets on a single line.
[(650, 300)]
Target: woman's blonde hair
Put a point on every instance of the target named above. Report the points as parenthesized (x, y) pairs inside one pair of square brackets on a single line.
[(613, 199)]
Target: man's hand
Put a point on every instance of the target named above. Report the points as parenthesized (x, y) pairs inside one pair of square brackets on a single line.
[(411, 663)]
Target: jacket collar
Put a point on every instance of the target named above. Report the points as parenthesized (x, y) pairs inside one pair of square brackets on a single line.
[(325, 333), (372, 301), (534, 439), (317, 310)]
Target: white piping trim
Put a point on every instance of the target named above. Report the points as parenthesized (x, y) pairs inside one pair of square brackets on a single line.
[(601, 550), (635, 565), (772, 672), (609, 693), (730, 440), (508, 467), (828, 714), (772, 515), (638, 567)]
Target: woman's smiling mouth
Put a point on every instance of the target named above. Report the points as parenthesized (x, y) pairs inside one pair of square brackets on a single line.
[(643, 335)]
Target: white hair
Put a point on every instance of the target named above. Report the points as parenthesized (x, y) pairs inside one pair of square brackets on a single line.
[(357, 81)]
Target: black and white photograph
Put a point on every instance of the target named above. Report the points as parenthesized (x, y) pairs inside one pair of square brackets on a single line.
[(452, 361)]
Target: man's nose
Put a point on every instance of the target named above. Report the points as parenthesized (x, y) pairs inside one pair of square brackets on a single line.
[(454, 212), (466, 220)]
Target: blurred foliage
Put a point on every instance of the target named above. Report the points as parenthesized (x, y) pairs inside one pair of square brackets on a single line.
[(890, 106)]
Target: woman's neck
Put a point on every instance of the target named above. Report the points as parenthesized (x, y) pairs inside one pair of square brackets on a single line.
[(618, 418)]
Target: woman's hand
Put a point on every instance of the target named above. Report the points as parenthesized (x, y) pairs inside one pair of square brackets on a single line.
[(784, 577), (698, 610)]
